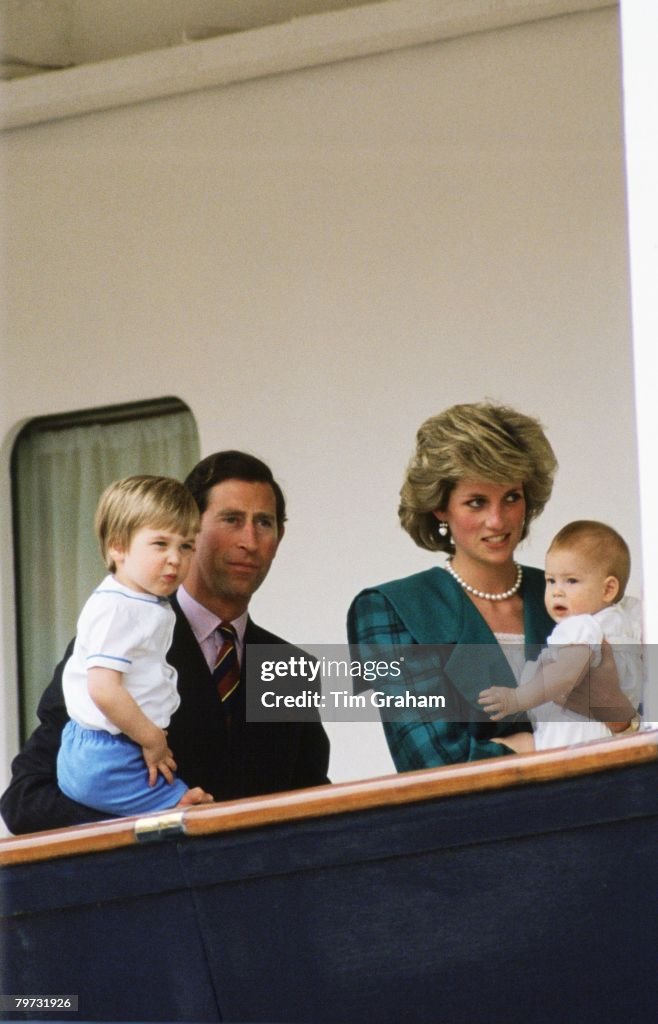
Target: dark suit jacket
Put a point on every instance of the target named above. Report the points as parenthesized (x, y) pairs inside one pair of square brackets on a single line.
[(228, 759)]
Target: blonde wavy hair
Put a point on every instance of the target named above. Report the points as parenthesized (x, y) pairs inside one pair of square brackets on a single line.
[(478, 441), (157, 502)]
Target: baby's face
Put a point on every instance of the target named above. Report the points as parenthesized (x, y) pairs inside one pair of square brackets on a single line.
[(575, 585)]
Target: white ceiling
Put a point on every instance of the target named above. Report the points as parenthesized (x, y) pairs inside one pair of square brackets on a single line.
[(37, 34)]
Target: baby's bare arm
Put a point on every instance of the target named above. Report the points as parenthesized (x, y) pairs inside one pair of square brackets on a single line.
[(552, 681), (599, 694), (555, 679)]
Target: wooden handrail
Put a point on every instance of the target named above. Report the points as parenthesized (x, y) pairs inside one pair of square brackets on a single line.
[(341, 798)]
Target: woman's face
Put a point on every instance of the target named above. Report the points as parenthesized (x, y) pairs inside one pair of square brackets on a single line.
[(485, 520)]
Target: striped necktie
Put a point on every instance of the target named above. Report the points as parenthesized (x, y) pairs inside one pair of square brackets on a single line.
[(226, 673)]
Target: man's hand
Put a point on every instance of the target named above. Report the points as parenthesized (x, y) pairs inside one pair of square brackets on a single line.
[(195, 796)]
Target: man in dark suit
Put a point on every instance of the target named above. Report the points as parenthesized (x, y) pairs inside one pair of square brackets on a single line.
[(242, 522)]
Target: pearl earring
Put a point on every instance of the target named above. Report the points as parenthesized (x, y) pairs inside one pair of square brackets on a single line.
[(443, 529)]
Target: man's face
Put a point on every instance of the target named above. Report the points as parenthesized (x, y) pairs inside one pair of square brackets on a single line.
[(237, 541)]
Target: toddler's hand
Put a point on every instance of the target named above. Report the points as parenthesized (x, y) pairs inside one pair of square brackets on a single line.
[(159, 758), (498, 702)]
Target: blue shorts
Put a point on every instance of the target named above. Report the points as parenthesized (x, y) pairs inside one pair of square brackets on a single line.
[(108, 772)]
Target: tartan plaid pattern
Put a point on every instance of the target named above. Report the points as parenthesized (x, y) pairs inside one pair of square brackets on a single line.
[(415, 742)]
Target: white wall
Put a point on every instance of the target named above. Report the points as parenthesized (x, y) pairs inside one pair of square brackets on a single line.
[(639, 31), (318, 261)]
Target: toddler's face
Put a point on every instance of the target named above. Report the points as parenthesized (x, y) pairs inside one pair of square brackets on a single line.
[(575, 585), (155, 562)]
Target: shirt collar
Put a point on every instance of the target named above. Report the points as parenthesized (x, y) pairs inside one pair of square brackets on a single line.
[(112, 583), (203, 622)]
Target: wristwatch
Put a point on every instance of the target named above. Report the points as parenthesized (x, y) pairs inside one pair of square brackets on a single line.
[(633, 725)]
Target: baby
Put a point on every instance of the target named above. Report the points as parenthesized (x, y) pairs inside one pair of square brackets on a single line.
[(587, 569)]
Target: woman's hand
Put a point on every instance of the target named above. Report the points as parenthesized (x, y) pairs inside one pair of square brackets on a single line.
[(519, 742)]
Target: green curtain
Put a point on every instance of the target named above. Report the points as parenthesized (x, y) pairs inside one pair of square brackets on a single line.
[(59, 475)]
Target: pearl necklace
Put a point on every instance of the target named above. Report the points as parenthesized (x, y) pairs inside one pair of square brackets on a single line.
[(481, 593)]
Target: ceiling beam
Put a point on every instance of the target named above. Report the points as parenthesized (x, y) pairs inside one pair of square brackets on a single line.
[(273, 49)]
